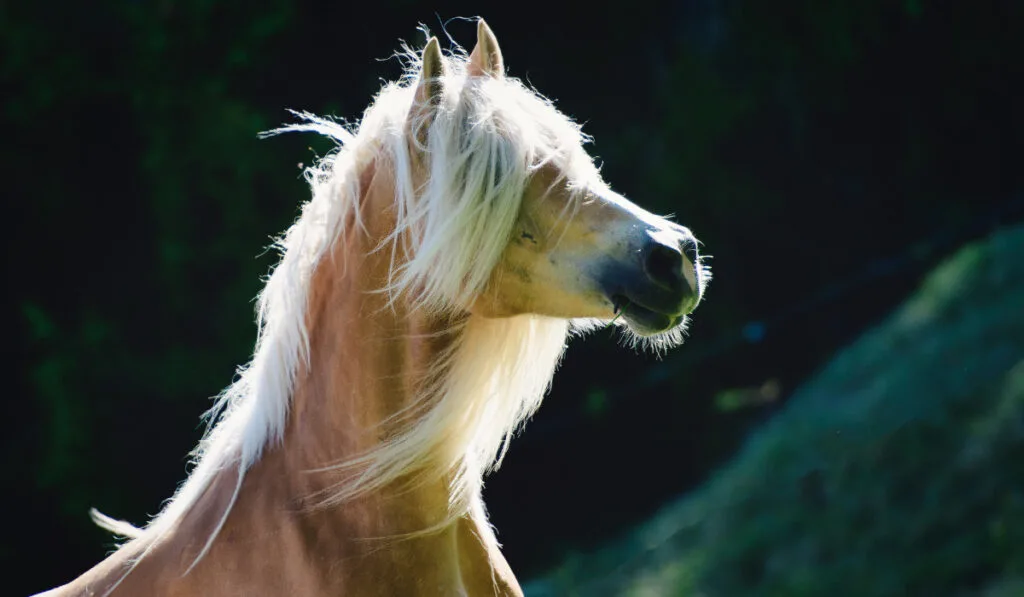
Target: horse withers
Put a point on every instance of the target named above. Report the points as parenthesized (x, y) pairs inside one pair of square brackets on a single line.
[(454, 240)]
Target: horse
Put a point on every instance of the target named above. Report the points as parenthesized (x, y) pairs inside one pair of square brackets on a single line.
[(455, 238)]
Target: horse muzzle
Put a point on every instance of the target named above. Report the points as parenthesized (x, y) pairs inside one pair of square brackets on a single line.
[(659, 285)]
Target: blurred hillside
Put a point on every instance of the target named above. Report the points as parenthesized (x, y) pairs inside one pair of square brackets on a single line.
[(897, 470)]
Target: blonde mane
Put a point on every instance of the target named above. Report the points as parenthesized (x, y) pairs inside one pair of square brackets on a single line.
[(484, 140)]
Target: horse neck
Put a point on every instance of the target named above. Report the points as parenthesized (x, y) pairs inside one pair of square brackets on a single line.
[(368, 360), (367, 363)]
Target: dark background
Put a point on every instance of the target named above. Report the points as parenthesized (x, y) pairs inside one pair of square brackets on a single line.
[(828, 153)]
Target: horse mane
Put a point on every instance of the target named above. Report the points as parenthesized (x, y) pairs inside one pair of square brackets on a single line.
[(485, 138)]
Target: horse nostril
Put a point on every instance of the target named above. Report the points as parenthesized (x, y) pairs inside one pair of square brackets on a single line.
[(664, 266)]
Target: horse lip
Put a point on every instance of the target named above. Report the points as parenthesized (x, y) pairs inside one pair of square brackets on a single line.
[(655, 309), (623, 300), (642, 319)]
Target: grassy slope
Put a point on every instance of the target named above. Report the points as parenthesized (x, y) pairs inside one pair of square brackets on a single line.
[(897, 470)]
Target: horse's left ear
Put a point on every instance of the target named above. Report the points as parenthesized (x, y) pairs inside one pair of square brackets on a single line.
[(485, 59)]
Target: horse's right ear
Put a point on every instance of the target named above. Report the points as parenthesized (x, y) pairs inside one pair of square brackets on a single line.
[(428, 89)]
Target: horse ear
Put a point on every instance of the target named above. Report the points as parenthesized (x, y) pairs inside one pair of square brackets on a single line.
[(485, 59), (428, 90)]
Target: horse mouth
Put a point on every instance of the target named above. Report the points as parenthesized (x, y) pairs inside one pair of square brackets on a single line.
[(642, 320)]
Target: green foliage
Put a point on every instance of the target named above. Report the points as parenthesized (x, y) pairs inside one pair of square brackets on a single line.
[(894, 471), (152, 102)]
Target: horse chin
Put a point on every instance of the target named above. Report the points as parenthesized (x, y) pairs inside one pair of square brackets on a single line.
[(643, 328)]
